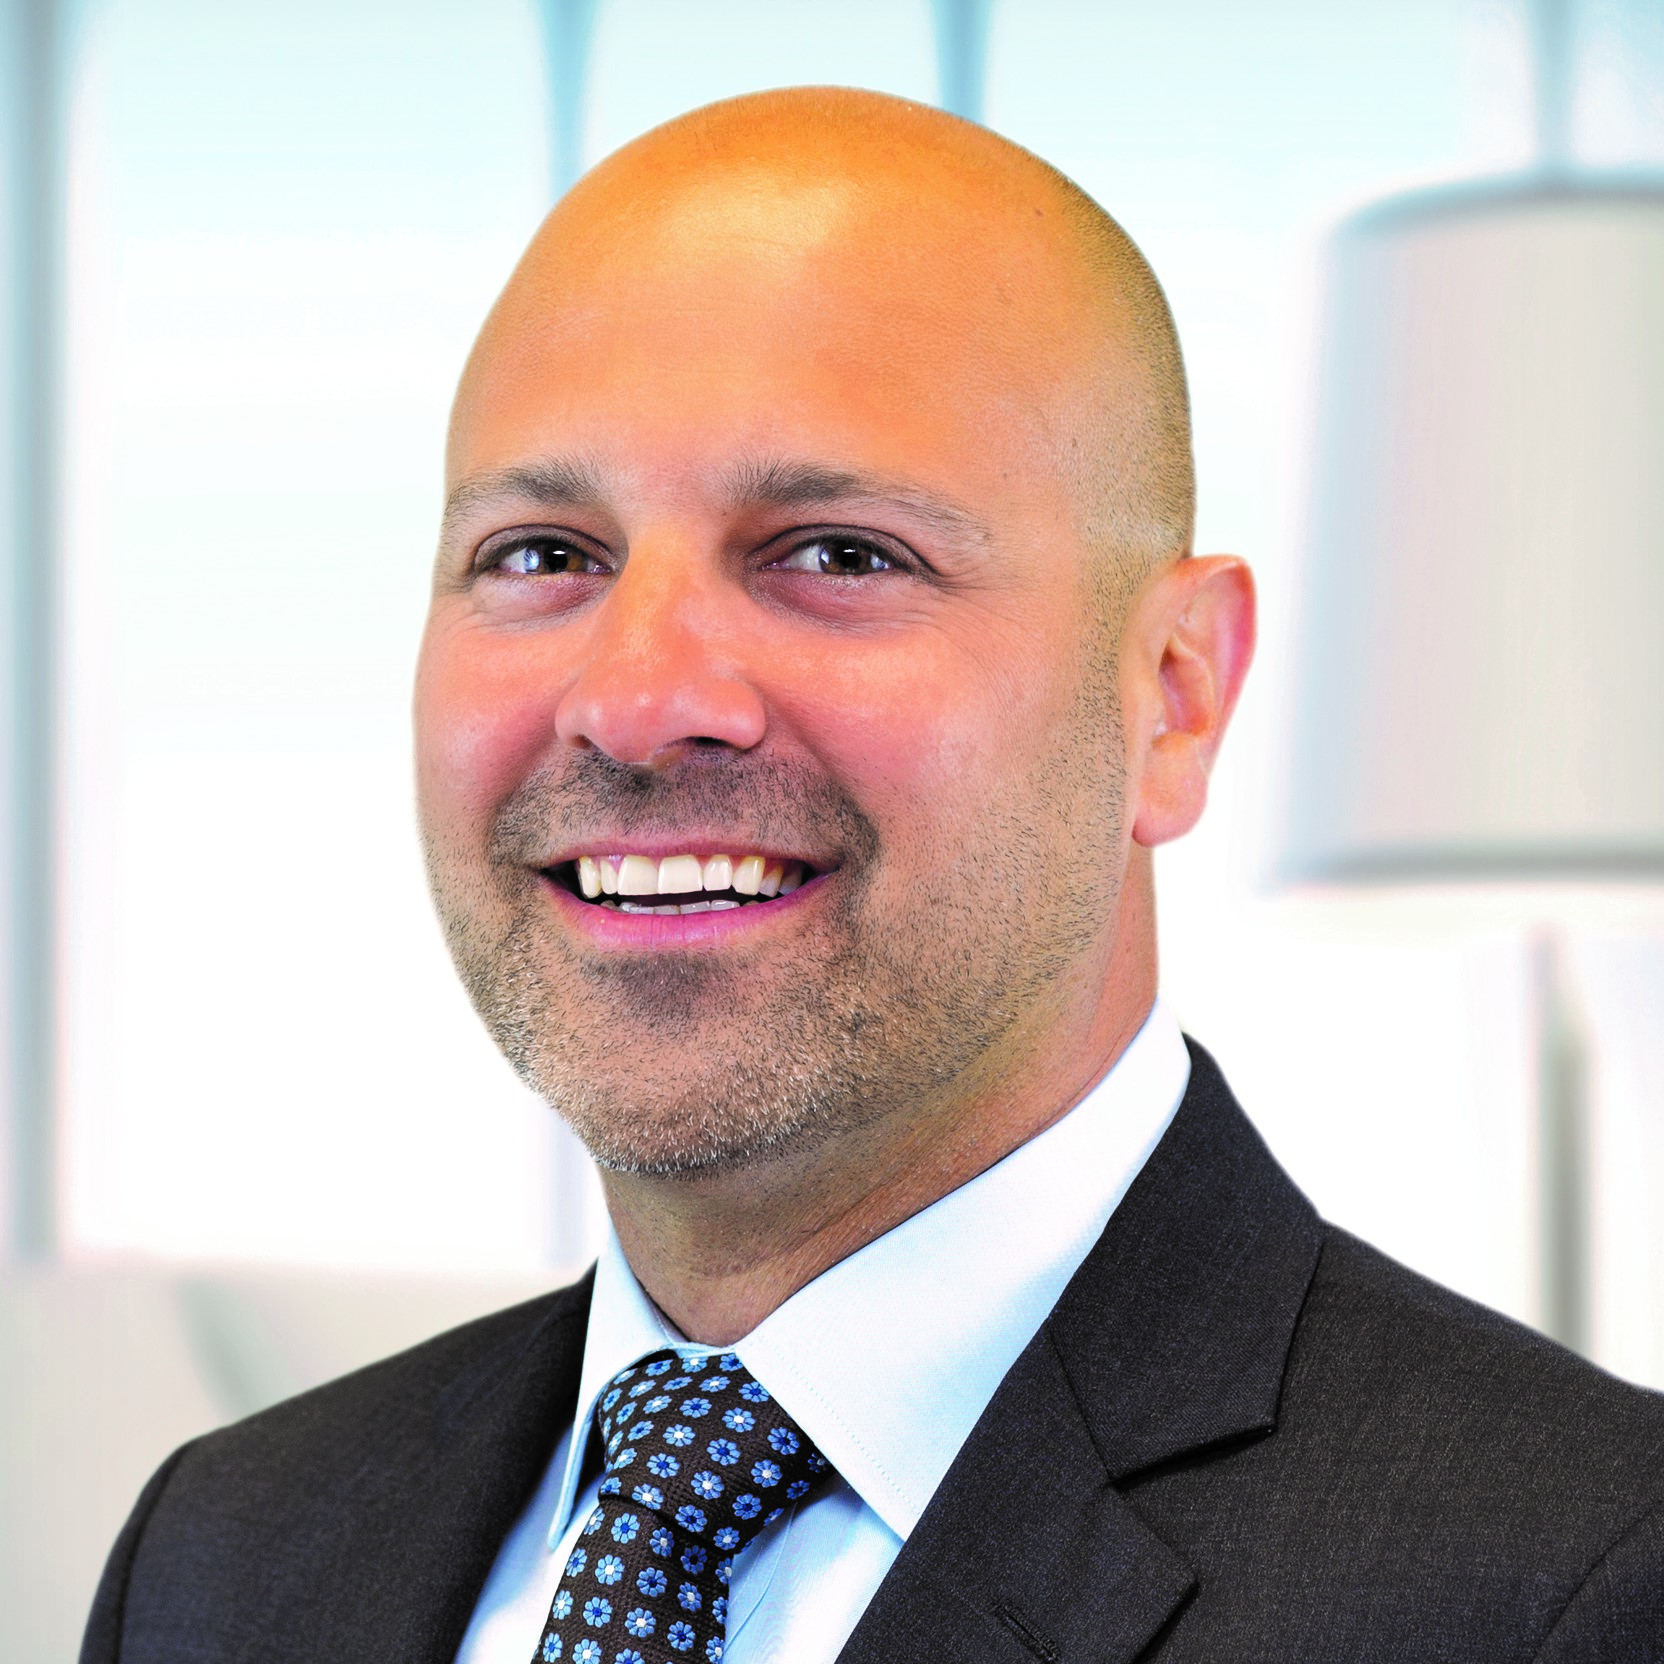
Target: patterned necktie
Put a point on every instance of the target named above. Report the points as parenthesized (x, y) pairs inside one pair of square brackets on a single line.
[(699, 1459)]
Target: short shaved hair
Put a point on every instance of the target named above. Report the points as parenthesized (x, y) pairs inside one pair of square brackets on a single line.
[(1139, 484)]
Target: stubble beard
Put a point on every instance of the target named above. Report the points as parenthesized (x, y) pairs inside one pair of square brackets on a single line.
[(689, 1064)]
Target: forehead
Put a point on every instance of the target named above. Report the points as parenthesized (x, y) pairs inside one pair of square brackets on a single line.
[(765, 317)]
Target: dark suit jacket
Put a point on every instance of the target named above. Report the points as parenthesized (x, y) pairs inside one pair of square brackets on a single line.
[(1241, 1435)]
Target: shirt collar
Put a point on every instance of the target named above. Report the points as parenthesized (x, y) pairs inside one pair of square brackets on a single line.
[(623, 1325), (887, 1360)]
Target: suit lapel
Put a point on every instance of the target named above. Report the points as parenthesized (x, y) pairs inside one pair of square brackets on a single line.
[(1171, 1337), (493, 1434), (1175, 1331), (1026, 1550)]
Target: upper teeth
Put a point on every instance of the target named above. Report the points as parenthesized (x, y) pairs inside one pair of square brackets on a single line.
[(671, 875)]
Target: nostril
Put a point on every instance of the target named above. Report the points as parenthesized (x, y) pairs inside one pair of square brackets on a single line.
[(667, 756)]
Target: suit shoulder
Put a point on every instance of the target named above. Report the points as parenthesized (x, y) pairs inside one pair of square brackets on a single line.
[(286, 1523), (1417, 1362), (414, 1394), (1433, 1469)]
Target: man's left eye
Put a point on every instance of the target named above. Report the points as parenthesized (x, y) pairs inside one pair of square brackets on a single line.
[(837, 557)]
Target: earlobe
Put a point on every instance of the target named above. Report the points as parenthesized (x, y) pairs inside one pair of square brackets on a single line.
[(1197, 635)]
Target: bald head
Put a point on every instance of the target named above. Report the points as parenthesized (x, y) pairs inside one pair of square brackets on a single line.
[(890, 219)]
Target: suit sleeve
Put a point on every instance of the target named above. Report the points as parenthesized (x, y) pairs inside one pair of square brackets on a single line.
[(101, 1644), (1617, 1615)]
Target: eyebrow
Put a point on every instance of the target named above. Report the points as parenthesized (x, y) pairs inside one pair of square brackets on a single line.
[(573, 482), (784, 483), (556, 482)]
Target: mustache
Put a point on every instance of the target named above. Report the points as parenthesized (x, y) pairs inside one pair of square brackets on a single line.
[(767, 801)]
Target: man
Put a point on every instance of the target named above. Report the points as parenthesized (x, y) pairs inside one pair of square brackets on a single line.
[(816, 656)]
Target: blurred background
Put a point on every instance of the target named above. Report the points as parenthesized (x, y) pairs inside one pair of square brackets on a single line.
[(254, 1134)]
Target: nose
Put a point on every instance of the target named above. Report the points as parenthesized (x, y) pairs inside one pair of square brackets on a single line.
[(658, 673)]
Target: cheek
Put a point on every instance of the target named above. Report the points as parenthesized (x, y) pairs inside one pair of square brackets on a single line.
[(484, 716), (937, 739)]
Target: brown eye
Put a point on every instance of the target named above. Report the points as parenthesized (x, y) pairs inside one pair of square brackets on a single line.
[(543, 557), (838, 557)]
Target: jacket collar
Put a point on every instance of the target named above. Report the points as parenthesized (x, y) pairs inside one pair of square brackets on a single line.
[(1173, 1336)]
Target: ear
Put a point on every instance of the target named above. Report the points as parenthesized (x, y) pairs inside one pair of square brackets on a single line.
[(1189, 639)]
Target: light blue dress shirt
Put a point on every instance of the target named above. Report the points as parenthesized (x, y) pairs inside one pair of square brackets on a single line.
[(886, 1361)]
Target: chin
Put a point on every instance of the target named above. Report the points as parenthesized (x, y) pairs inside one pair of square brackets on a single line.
[(672, 1116)]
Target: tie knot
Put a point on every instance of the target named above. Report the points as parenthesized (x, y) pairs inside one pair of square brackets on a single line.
[(699, 1459), (700, 1443)]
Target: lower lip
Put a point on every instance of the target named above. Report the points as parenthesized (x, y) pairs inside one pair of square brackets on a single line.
[(611, 928)]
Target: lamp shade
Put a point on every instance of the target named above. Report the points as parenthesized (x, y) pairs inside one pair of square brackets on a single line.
[(1480, 672)]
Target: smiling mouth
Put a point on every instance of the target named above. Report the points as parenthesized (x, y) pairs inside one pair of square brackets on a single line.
[(683, 883)]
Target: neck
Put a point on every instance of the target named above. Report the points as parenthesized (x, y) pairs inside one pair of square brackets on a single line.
[(719, 1252)]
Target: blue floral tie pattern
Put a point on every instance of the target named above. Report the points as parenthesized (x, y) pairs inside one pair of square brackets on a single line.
[(699, 1459)]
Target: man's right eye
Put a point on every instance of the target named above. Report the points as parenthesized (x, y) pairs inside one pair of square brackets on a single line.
[(543, 557)]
